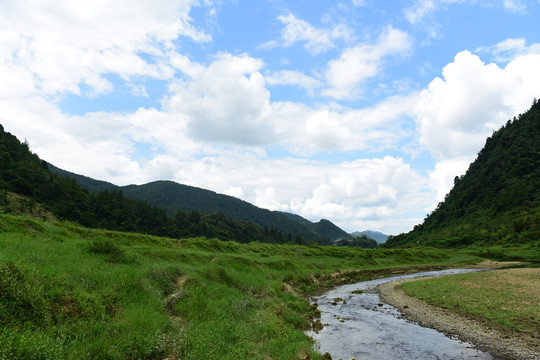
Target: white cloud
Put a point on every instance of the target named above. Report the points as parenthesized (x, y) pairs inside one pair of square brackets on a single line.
[(442, 178), (226, 102), (235, 191), (509, 49), (516, 6), (458, 112), (358, 64), (265, 198), (57, 46), (306, 131), (288, 77), (316, 40), (138, 90), (425, 9), (269, 45), (359, 2), (420, 10), (364, 192), (455, 114)]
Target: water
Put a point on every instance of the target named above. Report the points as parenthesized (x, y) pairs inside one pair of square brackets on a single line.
[(354, 330)]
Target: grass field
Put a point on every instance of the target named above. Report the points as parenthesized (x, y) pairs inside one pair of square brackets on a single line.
[(67, 292), (509, 299)]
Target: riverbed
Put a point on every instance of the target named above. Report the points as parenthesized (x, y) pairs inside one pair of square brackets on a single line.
[(359, 325)]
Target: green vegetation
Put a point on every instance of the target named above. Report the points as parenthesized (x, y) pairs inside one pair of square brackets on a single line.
[(359, 241), (70, 292), (496, 204), (172, 197), (23, 174), (507, 299)]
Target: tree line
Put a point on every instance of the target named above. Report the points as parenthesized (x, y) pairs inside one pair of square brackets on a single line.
[(23, 172)]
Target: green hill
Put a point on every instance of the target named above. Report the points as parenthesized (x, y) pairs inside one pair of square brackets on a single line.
[(161, 208), (28, 186), (497, 201), (172, 197)]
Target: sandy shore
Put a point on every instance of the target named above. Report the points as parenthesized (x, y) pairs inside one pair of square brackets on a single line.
[(501, 344)]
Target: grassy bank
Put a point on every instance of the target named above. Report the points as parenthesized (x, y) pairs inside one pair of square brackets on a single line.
[(507, 299), (69, 292)]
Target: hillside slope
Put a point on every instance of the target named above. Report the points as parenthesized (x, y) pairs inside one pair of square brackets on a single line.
[(29, 187), (497, 202), (172, 197)]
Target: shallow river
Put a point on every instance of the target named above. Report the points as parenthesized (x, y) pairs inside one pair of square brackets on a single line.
[(354, 330)]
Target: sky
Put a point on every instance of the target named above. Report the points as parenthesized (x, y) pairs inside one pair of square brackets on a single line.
[(361, 112)]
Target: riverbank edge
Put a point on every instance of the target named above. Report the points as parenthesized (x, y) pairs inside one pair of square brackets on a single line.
[(501, 344)]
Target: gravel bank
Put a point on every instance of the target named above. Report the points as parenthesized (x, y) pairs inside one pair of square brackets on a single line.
[(502, 345)]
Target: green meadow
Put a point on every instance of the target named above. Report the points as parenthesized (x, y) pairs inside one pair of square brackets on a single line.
[(68, 292)]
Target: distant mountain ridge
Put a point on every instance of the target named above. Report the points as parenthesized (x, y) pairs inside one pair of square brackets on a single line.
[(173, 196), (375, 235)]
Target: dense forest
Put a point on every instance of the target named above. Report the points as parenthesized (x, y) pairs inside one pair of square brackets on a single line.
[(172, 197), (24, 173), (497, 201)]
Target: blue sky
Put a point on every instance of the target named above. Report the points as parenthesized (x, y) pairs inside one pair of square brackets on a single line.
[(358, 111)]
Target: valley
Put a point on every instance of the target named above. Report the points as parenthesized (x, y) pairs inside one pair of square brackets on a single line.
[(90, 273)]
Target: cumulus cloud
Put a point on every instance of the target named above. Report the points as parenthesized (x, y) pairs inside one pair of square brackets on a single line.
[(316, 40), (364, 192), (306, 130), (457, 112), (60, 45), (358, 64), (225, 102)]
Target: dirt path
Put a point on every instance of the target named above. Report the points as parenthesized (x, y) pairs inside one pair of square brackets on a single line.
[(502, 344)]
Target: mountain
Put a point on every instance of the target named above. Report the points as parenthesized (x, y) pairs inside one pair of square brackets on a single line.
[(375, 235), (497, 201), (172, 197), (92, 185), (323, 227), (29, 187)]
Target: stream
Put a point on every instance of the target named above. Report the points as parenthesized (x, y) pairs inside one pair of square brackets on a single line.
[(361, 326)]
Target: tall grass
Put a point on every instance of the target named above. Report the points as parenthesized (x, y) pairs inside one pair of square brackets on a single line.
[(68, 292)]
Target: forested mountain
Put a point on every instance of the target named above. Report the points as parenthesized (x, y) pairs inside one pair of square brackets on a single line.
[(23, 173), (172, 197), (497, 201), (323, 227)]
